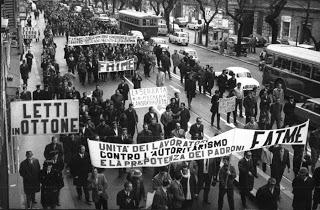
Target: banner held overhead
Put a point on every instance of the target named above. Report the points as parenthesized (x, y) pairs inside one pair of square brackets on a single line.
[(101, 39), (44, 117), (115, 66), (146, 97)]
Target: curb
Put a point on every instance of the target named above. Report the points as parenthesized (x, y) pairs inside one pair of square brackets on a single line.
[(235, 58)]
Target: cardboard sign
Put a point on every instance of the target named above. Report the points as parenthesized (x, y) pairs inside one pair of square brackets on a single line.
[(29, 33), (44, 117), (101, 39), (115, 66), (227, 104), (146, 97), (164, 152)]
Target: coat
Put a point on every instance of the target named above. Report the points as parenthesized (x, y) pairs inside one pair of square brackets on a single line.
[(177, 194), (97, 93), (98, 185), (192, 184), (245, 180), (184, 118), (160, 79), (51, 147), (175, 59), (117, 100), (226, 179), (80, 167), (147, 118), (31, 175), (160, 200), (49, 187), (124, 90), (275, 110), (212, 171), (156, 130), (37, 95), (194, 129), (190, 87), (125, 201), (144, 137), (26, 96), (302, 193), (267, 200), (277, 166)]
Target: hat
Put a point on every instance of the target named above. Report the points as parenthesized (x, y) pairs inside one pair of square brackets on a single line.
[(272, 181), (47, 163), (136, 173)]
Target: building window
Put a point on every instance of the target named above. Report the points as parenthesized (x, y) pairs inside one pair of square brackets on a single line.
[(285, 29), (144, 22)]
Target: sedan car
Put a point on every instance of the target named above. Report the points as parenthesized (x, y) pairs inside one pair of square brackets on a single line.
[(194, 25), (159, 41), (243, 76), (309, 110), (186, 51)]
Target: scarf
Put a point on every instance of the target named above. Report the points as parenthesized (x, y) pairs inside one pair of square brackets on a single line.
[(187, 176)]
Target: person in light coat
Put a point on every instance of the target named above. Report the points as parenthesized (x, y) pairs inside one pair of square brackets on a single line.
[(175, 60), (160, 78)]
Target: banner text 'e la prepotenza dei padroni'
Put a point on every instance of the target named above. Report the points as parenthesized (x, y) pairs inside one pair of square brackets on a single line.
[(164, 152)]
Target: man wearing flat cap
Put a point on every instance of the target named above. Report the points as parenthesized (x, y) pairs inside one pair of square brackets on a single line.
[(302, 187), (268, 195)]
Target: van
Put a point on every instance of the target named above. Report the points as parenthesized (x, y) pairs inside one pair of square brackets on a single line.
[(162, 29)]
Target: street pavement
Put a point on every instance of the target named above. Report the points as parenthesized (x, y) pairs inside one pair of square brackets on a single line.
[(200, 107)]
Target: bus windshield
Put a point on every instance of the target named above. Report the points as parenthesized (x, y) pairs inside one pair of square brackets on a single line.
[(244, 74)]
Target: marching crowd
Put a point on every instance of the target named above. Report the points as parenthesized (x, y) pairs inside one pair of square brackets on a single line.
[(111, 119)]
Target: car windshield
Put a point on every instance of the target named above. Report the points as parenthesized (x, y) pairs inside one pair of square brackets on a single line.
[(244, 74), (182, 35)]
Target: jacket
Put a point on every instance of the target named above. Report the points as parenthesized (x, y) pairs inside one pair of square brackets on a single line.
[(99, 187), (160, 200), (223, 177), (124, 90), (31, 175), (266, 199), (147, 118), (175, 59), (177, 194), (194, 129), (125, 201)]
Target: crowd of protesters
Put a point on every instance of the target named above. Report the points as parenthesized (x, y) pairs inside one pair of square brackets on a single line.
[(110, 119)]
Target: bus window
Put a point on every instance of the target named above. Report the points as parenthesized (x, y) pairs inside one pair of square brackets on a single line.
[(305, 70), (277, 62), (144, 22), (285, 65), (316, 73), (296, 66)]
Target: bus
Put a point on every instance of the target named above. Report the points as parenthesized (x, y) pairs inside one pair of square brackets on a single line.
[(139, 21), (296, 68)]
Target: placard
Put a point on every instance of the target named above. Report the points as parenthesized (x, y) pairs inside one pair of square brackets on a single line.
[(29, 33), (227, 104), (146, 97), (115, 66), (164, 152), (101, 39), (44, 117)]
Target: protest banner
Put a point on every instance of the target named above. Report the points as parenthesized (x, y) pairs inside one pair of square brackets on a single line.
[(227, 104), (44, 117), (146, 97), (115, 66), (101, 39), (29, 33), (164, 152)]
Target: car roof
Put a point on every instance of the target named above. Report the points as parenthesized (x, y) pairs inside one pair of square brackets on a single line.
[(314, 100), (237, 69), (187, 49), (157, 38)]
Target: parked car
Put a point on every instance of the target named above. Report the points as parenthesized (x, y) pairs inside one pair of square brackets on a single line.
[(309, 110), (162, 29), (190, 52), (160, 41), (194, 25), (137, 34), (181, 21), (179, 38), (243, 76)]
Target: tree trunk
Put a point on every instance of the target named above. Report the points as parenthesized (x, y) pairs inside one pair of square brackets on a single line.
[(167, 19), (113, 6), (207, 34), (238, 46), (274, 35)]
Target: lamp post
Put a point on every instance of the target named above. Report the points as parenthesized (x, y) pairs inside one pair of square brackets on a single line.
[(297, 35)]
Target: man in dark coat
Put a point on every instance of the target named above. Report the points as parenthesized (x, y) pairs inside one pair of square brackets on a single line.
[(144, 136), (125, 198), (103, 130), (166, 64), (98, 94), (196, 130), (25, 94), (280, 160), (132, 118), (24, 71), (37, 94), (29, 58), (155, 129), (53, 146), (250, 106), (232, 82), (222, 82), (117, 99), (288, 109), (80, 167), (184, 116), (46, 94), (302, 187), (207, 171), (161, 199), (149, 115), (246, 176), (123, 87), (268, 195), (215, 108), (30, 172)]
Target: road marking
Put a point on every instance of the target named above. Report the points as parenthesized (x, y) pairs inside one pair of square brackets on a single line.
[(175, 89)]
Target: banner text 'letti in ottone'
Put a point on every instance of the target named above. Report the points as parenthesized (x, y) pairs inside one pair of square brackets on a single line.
[(44, 117), (101, 39), (164, 152)]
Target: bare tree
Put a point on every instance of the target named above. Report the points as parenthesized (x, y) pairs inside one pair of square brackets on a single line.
[(167, 7), (156, 4), (207, 21), (137, 4), (122, 3), (274, 11), (238, 17)]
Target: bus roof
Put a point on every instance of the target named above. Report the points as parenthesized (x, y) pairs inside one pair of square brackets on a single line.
[(137, 14), (295, 52)]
